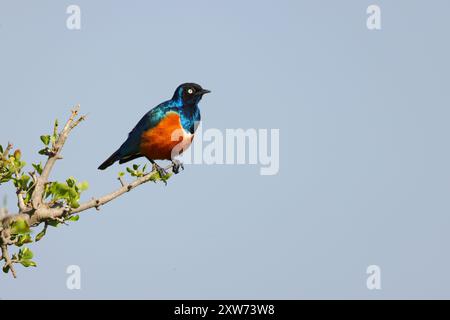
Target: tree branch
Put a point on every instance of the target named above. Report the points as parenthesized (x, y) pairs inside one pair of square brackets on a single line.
[(34, 209), (96, 203), (6, 257), (20, 201), (36, 198)]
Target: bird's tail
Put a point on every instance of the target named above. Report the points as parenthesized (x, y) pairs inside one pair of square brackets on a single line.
[(113, 158)]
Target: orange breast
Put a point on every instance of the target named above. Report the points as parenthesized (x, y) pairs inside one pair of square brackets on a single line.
[(166, 140)]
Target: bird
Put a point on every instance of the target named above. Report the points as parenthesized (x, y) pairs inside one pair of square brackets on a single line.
[(163, 132)]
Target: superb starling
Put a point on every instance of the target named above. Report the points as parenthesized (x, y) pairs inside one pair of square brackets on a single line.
[(165, 131)]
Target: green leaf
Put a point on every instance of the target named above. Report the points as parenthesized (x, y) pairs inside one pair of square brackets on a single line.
[(17, 154), (5, 269), (59, 190), (74, 204), (135, 166), (73, 194), (24, 182), (41, 234), (23, 239), (53, 223), (55, 128), (45, 140), (71, 182), (43, 151), (129, 170), (28, 263), (38, 168), (73, 218), (121, 174), (20, 226), (83, 186), (16, 182), (25, 254)]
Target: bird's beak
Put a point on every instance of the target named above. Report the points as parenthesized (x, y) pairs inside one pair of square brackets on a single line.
[(203, 91)]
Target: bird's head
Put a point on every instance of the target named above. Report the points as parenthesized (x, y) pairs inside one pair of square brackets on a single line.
[(189, 93)]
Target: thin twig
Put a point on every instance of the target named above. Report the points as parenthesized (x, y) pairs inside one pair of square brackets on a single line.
[(95, 203), (78, 121), (36, 198), (20, 201), (8, 261)]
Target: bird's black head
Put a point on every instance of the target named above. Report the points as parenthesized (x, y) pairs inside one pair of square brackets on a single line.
[(189, 93)]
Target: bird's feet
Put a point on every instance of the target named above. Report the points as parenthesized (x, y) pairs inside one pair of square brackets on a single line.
[(176, 166), (162, 172)]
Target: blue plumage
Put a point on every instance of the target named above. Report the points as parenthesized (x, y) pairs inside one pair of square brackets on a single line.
[(184, 103)]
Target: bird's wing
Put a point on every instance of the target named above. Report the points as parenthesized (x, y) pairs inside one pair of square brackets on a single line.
[(132, 145)]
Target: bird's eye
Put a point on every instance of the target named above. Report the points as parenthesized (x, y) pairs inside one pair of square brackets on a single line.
[(190, 91)]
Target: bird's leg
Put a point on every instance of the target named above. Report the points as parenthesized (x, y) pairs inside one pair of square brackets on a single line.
[(177, 165), (158, 168)]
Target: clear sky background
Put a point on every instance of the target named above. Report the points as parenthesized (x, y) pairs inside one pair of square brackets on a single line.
[(364, 159)]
